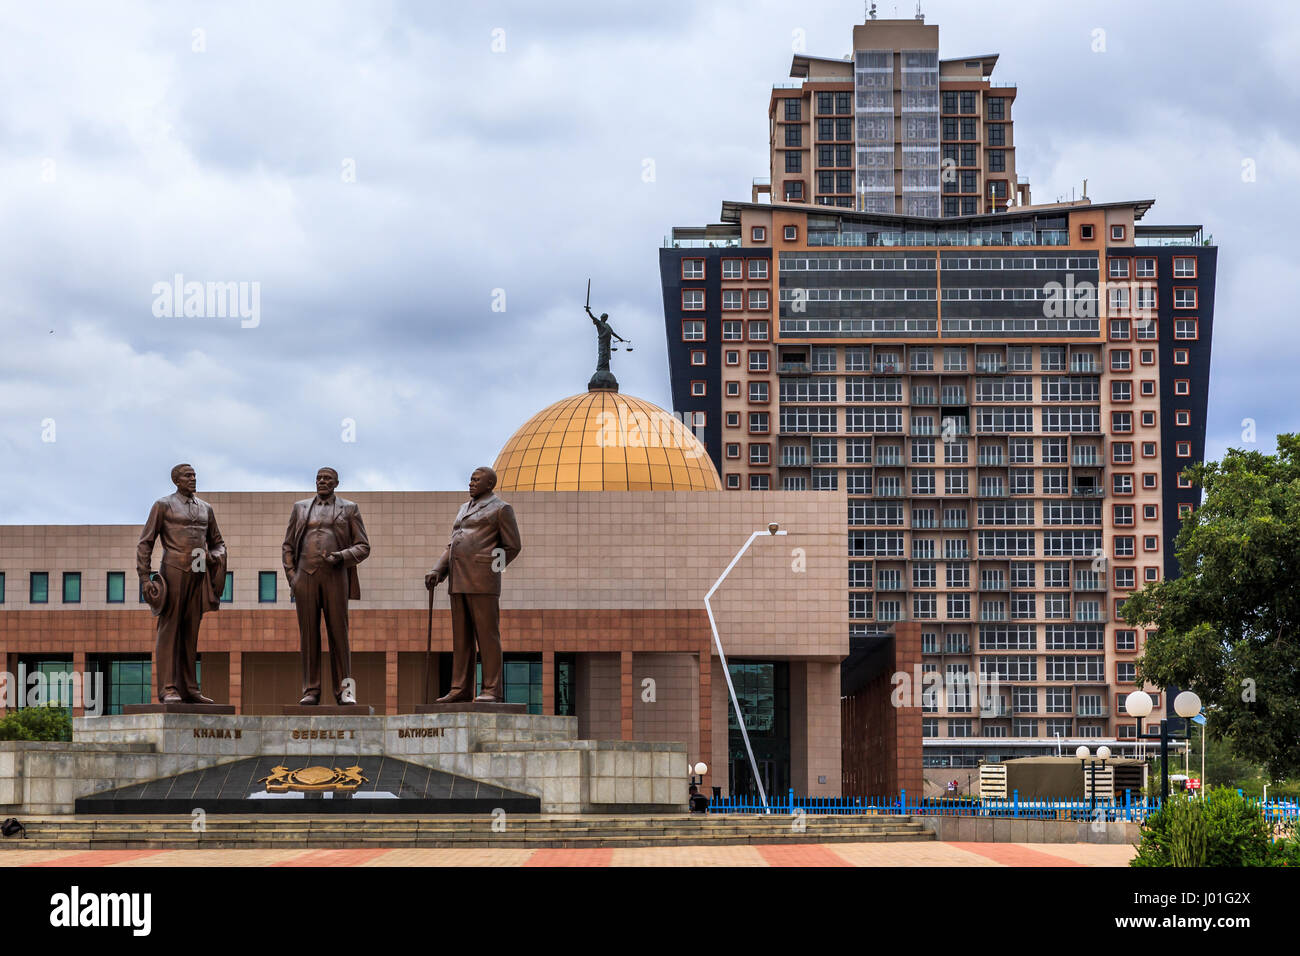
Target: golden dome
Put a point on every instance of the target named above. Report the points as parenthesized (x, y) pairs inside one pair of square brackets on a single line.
[(604, 441)]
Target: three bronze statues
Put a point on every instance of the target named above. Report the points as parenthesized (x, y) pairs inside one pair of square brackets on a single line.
[(324, 542)]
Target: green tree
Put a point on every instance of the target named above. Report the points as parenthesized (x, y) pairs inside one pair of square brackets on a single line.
[(1228, 624)]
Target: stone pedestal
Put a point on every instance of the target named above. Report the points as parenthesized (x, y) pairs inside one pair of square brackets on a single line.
[(182, 708), (327, 710), (526, 754)]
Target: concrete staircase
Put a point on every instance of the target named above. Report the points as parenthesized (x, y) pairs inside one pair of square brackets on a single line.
[(262, 831)]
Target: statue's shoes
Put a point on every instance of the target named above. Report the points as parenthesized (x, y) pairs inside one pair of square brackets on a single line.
[(173, 699), (310, 699), (453, 699), (487, 699), (199, 699)]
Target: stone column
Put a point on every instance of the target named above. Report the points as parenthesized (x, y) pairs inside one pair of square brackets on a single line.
[(705, 662), (78, 668), (626, 696), (548, 682), (236, 681), (390, 682)]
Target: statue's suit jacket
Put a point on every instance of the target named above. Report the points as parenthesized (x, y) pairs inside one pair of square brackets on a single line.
[(482, 525), (348, 529)]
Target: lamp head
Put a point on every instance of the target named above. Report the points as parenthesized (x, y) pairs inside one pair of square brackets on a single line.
[(1187, 704), (1082, 752), (772, 527), (1103, 752), (1138, 704)]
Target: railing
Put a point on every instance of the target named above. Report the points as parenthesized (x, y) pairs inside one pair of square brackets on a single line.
[(1129, 808), (1079, 491), (716, 243), (1085, 368), (794, 368), (1085, 461)]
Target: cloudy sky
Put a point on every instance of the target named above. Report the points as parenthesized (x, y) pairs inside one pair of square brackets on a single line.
[(387, 172)]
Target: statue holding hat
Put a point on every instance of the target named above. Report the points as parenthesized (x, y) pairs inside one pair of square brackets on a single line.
[(189, 581)]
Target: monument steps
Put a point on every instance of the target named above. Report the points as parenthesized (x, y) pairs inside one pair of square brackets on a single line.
[(250, 832)]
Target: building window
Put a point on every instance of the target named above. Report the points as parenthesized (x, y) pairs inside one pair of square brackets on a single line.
[(1126, 672), (1146, 268), (1183, 449), (1184, 298), (1185, 329), (1148, 419), (1085, 232), (760, 482), (71, 587), (1184, 267), (692, 268), (1149, 480), (1123, 516), (1116, 233), (758, 392), (697, 389), (733, 480), (730, 269), (1147, 356), (758, 360), (1184, 510), (791, 233), (228, 588), (1180, 356), (699, 357), (39, 587), (794, 191), (733, 419), (1119, 328), (1117, 268), (759, 453), (1182, 386), (1121, 360), (1121, 453), (758, 331), (733, 449), (1121, 391), (758, 423), (1121, 422), (1184, 481), (732, 300), (693, 300), (1125, 546), (693, 331), (1148, 449), (758, 234), (793, 162), (758, 299), (758, 268), (266, 586), (1148, 387), (115, 587), (1182, 417), (732, 357), (733, 390), (733, 330)]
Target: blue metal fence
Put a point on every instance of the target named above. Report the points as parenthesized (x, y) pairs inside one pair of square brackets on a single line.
[(1131, 808)]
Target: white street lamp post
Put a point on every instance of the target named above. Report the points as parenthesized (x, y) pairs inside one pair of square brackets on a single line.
[(772, 529)]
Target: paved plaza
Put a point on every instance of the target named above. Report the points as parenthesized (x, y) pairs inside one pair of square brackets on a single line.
[(804, 854)]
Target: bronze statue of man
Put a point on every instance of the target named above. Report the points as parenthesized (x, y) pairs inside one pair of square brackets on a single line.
[(323, 545), (484, 540), (191, 577)]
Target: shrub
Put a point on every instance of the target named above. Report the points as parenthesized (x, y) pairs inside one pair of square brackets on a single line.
[(1220, 829), (37, 723)]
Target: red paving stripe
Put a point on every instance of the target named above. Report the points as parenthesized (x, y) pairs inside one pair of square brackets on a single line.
[(99, 858), (334, 857), (1012, 854), (561, 857), (800, 854)]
